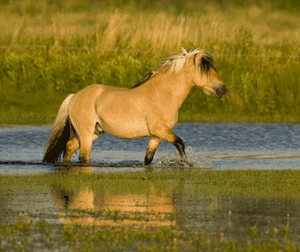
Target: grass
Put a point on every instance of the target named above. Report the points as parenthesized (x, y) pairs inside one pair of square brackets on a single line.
[(246, 183), (49, 50), (227, 183), (117, 229), (80, 238)]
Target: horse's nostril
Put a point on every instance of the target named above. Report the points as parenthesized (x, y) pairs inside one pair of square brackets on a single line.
[(221, 91)]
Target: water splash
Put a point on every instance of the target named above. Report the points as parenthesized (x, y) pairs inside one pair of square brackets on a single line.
[(192, 160)]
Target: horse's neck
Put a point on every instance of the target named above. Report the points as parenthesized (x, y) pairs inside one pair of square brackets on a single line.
[(176, 85)]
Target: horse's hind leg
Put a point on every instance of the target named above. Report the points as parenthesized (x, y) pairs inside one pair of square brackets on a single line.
[(85, 149), (152, 147), (73, 144)]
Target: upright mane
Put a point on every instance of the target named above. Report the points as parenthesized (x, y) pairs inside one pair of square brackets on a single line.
[(175, 63)]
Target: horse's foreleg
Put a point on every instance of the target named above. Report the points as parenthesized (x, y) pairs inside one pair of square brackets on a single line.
[(152, 147), (178, 143), (167, 134)]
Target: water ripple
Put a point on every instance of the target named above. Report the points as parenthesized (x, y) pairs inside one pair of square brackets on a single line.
[(214, 146)]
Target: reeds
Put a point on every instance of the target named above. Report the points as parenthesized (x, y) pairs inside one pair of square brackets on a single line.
[(153, 30), (62, 52)]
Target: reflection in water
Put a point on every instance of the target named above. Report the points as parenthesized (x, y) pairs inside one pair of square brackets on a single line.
[(141, 203), (82, 206), (234, 215), (237, 216)]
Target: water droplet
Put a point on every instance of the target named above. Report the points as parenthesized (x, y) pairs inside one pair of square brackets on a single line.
[(192, 160)]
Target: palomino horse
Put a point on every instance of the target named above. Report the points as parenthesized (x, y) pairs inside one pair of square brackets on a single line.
[(150, 108)]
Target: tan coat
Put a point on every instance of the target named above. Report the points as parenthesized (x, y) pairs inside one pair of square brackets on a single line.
[(150, 109)]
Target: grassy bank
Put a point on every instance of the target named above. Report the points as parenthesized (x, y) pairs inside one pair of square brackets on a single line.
[(51, 51), (118, 228)]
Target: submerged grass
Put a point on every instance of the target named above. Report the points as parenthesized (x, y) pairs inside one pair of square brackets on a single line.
[(116, 229), (24, 235), (48, 54), (247, 183)]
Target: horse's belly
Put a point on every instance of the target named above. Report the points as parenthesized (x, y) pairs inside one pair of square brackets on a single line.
[(129, 129)]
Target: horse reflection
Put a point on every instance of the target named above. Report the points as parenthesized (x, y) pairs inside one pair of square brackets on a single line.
[(80, 206)]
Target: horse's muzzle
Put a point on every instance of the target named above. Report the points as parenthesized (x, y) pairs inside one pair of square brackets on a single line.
[(221, 91)]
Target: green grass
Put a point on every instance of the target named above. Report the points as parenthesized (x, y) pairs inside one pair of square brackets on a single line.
[(247, 183), (81, 238), (49, 50)]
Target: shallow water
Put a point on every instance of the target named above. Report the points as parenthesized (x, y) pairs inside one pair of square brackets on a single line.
[(212, 146), (237, 217), (218, 146)]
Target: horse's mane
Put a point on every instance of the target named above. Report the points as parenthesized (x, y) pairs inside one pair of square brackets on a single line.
[(176, 62), (145, 78)]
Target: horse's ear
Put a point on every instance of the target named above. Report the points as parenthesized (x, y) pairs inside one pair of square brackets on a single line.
[(183, 51)]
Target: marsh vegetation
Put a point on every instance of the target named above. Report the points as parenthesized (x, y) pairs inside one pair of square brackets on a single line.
[(172, 210), (52, 48)]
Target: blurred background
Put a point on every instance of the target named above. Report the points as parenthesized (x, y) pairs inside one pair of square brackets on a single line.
[(51, 48)]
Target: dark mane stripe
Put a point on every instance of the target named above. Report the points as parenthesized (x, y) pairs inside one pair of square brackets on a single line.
[(145, 78), (207, 63)]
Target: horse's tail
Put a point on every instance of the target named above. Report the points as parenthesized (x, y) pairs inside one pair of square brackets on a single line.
[(60, 134)]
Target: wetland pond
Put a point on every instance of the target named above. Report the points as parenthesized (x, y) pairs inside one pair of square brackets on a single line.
[(242, 190), (217, 146)]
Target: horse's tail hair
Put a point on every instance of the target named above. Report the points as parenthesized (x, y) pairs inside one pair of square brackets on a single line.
[(60, 134)]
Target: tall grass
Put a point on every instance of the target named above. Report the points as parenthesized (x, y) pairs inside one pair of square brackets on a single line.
[(47, 54)]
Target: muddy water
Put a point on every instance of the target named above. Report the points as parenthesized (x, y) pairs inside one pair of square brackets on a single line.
[(218, 146)]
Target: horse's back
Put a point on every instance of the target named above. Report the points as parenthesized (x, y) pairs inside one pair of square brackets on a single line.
[(88, 95)]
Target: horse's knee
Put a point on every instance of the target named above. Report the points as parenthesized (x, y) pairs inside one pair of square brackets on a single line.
[(161, 131)]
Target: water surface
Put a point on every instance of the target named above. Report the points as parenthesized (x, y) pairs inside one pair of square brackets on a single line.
[(214, 146)]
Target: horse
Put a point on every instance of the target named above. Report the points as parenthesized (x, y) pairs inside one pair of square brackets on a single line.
[(149, 109)]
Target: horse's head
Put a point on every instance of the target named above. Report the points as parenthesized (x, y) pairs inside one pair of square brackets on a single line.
[(205, 74)]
